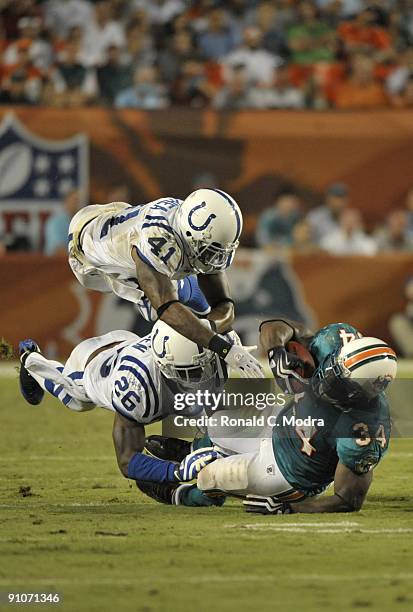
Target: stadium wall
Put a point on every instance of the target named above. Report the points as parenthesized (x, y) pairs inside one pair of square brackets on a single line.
[(249, 153), (40, 297)]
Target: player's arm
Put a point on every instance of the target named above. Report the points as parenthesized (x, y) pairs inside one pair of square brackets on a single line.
[(216, 290), (350, 491), (160, 291), (274, 336), (164, 298), (278, 332), (129, 441)]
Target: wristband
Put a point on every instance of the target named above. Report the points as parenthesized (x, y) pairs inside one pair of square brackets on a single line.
[(220, 346), (163, 307)]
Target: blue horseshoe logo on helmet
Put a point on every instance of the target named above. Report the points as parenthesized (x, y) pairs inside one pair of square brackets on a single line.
[(163, 351), (205, 224)]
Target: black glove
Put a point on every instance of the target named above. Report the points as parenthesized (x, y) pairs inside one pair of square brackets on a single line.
[(284, 365), (266, 505)]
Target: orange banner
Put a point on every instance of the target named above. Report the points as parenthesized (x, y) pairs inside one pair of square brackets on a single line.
[(42, 299), (250, 154)]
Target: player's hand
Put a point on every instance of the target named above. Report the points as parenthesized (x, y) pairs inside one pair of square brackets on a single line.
[(239, 357), (265, 505), (233, 338), (193, 463), (282, 363)]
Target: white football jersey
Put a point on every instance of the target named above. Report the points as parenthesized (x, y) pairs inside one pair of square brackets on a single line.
[(125, 379), (108, 240)]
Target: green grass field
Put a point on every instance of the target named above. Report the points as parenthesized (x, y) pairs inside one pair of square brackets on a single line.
[(84, 531)]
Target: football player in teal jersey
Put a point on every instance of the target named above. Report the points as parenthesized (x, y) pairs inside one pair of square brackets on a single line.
[(344, 408)]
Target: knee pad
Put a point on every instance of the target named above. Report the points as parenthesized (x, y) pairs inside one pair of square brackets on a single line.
[(229, 474)]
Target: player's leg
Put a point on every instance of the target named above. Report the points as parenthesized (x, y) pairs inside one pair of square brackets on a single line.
[(175, 449), (189, 294), (255, 473), (75, 365), (38, 374), (88, 276), (179, 494), (168, 449), (31, 388)]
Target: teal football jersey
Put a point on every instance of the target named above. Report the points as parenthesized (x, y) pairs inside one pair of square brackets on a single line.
[(311, 437)]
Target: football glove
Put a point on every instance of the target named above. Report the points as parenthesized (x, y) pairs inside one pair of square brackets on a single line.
[(266, 505), (284, 365), (239, 357), (193, 463), (232, 337)]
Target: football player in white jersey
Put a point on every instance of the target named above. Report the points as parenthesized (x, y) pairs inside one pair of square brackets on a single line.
[(149, 255), (120, 371)]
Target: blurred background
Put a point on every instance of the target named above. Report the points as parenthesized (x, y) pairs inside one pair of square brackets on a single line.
[(303, 111)]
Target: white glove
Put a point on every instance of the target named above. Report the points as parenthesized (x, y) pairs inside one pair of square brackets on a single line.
[(239, 357), (233, 338)]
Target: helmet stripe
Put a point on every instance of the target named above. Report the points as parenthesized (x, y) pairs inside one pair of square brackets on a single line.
[(234, 208), (366, 353), (365, 348), (369, 360)]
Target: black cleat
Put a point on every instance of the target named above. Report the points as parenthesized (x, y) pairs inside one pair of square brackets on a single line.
[(29, 387), (168, 449), (162, 492)]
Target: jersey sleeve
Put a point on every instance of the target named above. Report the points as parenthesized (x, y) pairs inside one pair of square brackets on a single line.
[(359, 459), (157, 245), (363, 439)]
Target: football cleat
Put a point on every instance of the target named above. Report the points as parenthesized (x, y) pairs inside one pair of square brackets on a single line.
[(168, 449), (162, 492), (29, 387)]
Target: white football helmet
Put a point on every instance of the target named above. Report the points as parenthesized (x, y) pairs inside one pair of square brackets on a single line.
[(179, 358), (361, 370), (210, 223)]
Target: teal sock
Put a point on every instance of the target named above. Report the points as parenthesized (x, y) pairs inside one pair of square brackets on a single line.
[(194, 497), (203, 442)]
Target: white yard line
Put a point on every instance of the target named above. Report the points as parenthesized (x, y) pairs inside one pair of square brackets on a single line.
[(320, 528), (296, 524), (205, 579)]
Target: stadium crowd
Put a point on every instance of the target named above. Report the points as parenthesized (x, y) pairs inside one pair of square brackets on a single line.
[(150, 54), (334, 226)]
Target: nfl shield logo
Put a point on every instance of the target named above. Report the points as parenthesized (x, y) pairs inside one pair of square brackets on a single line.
[(36, 174)]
